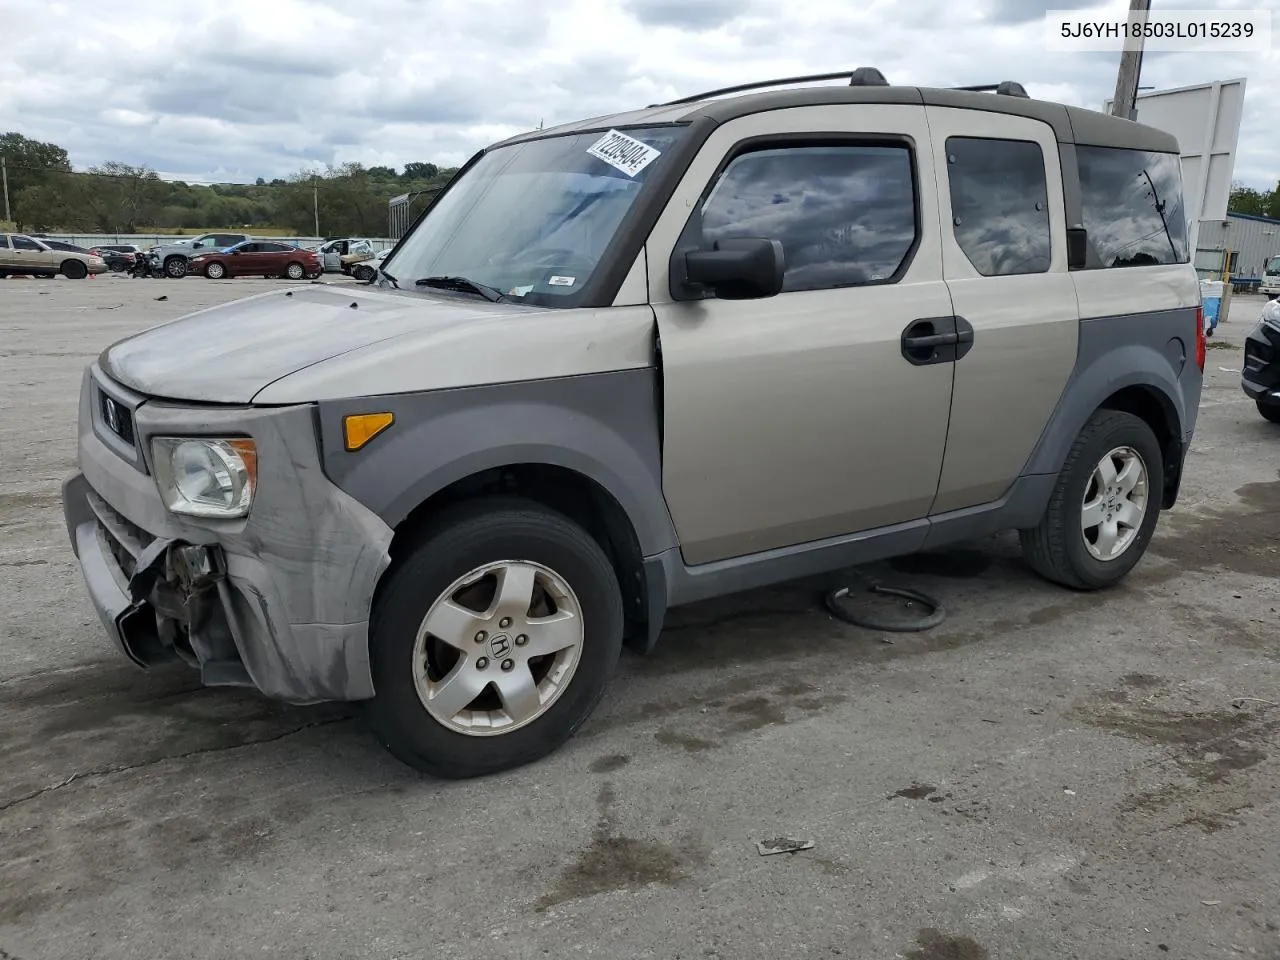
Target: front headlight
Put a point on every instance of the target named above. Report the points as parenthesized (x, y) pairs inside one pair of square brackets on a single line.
[(204, 477), (1271, 313)]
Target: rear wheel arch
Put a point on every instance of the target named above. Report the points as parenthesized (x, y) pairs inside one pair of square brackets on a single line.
[(1155, 408), (1133, 379)]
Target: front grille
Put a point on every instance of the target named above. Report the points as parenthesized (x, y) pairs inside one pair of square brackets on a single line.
[(123, 538)]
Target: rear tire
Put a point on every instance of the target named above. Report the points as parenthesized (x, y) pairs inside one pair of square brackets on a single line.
[(294, 271), (492, 654), (1269, 411), (73, 270), (1060, 548)]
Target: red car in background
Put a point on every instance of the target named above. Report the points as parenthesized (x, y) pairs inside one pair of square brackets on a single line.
[(258, 258)]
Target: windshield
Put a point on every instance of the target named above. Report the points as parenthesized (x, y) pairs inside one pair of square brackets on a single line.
[(1273, 267), (532, 220)]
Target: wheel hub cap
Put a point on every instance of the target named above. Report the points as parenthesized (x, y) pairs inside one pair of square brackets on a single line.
[(498, 648), (1115, 504)]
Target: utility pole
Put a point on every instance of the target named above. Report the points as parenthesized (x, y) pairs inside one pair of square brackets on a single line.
[(1124, 103), (315, 203), (4, 175)]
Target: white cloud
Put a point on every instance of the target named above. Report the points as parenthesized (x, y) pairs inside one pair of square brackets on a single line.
[(245, 88)]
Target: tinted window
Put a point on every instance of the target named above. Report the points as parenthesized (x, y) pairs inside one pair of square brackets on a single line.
[(274, 247), (844, 214), (22, 243), (4, 242), (1133, 210), (227, 240), (999, 204)]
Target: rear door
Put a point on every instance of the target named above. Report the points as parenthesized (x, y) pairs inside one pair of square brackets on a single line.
[(1004, 256), (805, 416), (274, 257)]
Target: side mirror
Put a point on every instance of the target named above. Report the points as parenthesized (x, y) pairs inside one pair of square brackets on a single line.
[(1077, 247), (197, 245), (745, 268)]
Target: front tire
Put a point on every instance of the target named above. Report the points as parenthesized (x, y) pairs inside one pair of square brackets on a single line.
[(1104, 507), (74, 270), (493, 640), (1269, 411), (175, 268), (215, 271)]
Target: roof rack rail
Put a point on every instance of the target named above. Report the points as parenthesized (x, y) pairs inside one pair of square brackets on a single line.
[(1005, 88), (861, 77)]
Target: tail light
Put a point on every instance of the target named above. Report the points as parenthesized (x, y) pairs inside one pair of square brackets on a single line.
[(1201, 345)]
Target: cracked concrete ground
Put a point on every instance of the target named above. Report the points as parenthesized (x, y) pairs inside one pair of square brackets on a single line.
[(1046, 774)]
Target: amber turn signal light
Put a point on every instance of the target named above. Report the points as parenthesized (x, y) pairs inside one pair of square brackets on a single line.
[(360, 428)]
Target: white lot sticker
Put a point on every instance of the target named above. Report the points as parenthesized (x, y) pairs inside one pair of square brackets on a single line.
[(562, 281), (624, 153)]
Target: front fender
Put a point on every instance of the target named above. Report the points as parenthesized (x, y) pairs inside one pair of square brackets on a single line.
[(603, 426)]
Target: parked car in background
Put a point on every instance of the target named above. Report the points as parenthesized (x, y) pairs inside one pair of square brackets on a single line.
[(177, 256), (368, 269), (258, 258), (23, 255), (65, 247), (1260, 378), (119, 257), (359, 251), (335, 249)]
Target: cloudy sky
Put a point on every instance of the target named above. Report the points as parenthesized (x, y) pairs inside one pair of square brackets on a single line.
[(231, 90)]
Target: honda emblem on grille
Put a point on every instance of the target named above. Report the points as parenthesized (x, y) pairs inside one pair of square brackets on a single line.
[(109, 411)]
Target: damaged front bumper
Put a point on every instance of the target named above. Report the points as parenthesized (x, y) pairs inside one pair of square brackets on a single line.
[(279, 600)]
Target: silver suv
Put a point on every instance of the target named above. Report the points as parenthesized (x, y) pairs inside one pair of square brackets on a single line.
[(640, 361), (176, 256)]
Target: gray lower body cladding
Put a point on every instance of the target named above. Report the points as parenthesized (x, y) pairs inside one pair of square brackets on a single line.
[(279, 600)]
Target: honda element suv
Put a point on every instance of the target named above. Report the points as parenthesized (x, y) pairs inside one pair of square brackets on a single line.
[(643, 360)]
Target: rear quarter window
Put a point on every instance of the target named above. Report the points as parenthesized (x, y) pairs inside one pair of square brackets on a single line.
[(1132, 207)]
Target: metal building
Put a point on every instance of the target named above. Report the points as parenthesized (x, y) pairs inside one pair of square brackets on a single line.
[(1249, 241), (402, 210)]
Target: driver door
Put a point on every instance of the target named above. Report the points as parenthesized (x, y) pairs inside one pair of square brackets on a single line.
[(799, 417)]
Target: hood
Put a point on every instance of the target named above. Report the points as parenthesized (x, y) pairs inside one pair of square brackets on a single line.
[(229, 353)]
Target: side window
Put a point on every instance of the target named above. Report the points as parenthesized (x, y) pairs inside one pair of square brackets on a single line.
[(1000, 204), (1133, 207), (4, 242), (274, 248), (22, 243), (845, 214)]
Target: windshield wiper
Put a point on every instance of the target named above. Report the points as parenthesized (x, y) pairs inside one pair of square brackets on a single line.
[(491, 294)]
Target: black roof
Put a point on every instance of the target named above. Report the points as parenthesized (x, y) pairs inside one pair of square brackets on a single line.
[(1070, 124)]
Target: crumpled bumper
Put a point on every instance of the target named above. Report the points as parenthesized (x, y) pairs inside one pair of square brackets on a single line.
[(279, 600)]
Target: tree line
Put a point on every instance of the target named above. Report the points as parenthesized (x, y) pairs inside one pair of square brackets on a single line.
[(1259, 203), (47, 196)]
